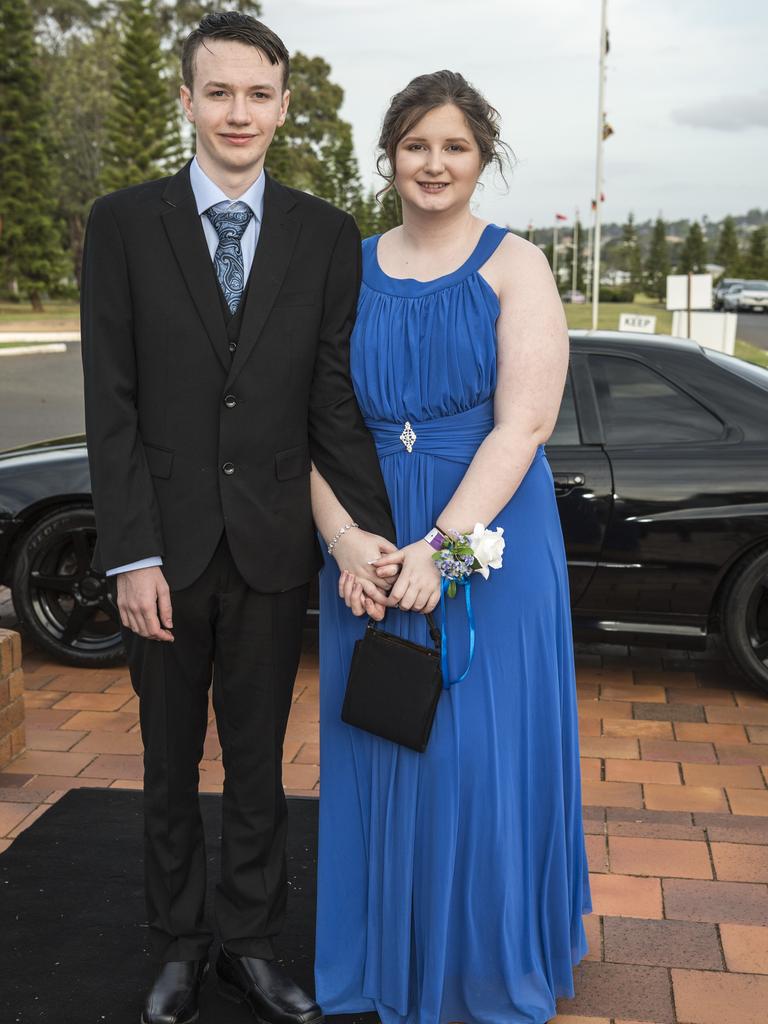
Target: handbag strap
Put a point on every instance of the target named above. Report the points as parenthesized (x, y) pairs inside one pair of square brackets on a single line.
[(439, 637), (434, 631)]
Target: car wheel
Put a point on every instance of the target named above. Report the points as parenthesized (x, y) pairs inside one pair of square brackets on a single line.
[(744, 617), (67, 608)]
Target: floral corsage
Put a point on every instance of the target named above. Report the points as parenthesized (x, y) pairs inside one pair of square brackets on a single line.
[(462, 554)]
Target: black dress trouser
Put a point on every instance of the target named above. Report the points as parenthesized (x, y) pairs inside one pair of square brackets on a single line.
[(247, 644)]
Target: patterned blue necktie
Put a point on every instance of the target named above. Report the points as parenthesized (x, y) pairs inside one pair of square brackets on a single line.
[(230, 221)]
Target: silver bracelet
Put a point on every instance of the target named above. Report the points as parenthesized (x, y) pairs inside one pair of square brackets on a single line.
[(339, 534)]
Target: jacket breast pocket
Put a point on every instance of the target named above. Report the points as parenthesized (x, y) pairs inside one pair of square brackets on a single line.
[(292, 462), (159, 460)]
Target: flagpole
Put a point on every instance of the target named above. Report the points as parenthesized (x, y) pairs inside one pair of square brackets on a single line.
[(554, 254), (575, 254), (599, 167)]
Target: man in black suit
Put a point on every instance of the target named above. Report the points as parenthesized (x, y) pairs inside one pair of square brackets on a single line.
[(216, 312)]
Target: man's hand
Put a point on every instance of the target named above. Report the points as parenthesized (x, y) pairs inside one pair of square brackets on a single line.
[(144, 601), (363, 597)]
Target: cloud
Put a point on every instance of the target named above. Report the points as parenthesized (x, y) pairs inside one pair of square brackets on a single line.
[(726, 113)]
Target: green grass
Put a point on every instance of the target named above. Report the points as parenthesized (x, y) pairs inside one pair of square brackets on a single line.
[(751, 353), (580, 317), (18, 312)]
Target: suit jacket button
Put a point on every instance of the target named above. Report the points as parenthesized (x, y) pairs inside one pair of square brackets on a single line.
[(229, 468), (230, 401), (232, 346)]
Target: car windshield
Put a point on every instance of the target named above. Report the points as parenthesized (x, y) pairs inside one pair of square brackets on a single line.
[(756, 286), (748, 371)]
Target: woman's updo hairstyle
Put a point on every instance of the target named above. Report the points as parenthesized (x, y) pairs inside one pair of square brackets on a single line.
[(425, 93)]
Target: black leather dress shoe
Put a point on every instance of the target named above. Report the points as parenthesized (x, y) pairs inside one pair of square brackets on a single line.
[(174, 996), (271, 995)]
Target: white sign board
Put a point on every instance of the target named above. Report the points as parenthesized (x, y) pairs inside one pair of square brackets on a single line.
[(637, 323), (701, 291), (712, 330)]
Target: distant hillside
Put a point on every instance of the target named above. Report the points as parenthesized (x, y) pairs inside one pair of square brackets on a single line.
[(676, 231)]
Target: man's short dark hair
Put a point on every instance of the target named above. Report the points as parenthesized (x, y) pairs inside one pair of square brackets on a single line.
[(240, 27)]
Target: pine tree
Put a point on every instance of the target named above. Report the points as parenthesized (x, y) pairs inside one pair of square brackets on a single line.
[(31, 251), (177, 17), (755, 262), (389, 211), (693, 255), (631, 257), (342, 176), (143, 138), (728, 254), (657, 264), (313, 150), (366, 213), (80, 78)]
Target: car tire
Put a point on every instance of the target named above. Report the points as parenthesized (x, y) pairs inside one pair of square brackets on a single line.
[(744, 617), (66, 608)]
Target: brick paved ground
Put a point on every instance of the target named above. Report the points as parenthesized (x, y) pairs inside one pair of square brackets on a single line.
[(675, 756)]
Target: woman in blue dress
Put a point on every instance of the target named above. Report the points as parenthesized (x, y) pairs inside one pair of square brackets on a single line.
[(451, 884)]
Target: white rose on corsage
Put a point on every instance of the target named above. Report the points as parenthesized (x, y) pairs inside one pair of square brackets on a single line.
[(487, 547), (462, 554)]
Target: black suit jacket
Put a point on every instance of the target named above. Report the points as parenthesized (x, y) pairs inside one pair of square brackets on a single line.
[(158, 368)]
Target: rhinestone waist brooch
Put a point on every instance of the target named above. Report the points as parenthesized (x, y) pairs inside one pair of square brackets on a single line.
[(408, 437)]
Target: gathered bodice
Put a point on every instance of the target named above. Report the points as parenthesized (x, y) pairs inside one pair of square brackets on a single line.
[(425, 349)]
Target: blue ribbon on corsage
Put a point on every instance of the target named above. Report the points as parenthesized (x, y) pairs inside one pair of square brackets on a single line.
[(445, 584), (459, 556)]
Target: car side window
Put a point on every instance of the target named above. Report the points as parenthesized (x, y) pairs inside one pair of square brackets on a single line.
[(639, 407), (567, 427)]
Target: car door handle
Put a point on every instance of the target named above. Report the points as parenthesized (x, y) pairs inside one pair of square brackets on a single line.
[(565, 482)]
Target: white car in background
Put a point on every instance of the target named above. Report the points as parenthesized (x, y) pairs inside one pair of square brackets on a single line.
[(721, 288), (749, 297)]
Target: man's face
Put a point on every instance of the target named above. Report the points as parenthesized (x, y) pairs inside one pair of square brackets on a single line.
[(236, 103)]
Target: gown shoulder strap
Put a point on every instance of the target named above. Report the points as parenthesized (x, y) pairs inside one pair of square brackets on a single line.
[(489, 242)]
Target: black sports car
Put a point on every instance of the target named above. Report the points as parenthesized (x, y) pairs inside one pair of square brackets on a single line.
[(660, 460)]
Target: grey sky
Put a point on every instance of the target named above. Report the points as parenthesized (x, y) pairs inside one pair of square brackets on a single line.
[(687, 93)]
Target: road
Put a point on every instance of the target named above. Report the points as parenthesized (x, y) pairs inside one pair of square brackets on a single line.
[(753, 327), (41, 396)]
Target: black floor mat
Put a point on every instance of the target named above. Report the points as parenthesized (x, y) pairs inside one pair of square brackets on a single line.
[(72, 943)]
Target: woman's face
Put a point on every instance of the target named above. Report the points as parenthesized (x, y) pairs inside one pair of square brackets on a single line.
[(437, 163)]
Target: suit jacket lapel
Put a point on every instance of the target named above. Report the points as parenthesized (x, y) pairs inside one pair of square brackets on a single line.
[(185, 233), (277, 237)]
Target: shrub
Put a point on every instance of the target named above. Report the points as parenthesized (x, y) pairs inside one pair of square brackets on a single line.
[(619, 294)]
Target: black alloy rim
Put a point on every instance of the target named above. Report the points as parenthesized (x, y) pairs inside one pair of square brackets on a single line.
[(757, 620), (72, 603)]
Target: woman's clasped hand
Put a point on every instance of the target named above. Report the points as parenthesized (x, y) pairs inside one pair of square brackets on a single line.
[(360, 587), (405, 578), (417, 586)]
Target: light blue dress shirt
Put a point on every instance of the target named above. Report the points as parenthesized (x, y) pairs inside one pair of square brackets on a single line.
[(207, 194)]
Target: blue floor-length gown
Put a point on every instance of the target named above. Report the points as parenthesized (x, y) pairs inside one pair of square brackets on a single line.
[(451, 883)]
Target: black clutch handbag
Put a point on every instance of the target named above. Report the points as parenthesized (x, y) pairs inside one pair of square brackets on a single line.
[(394, 686)]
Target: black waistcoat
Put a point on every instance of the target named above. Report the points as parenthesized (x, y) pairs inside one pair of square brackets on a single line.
[(233, 321)]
